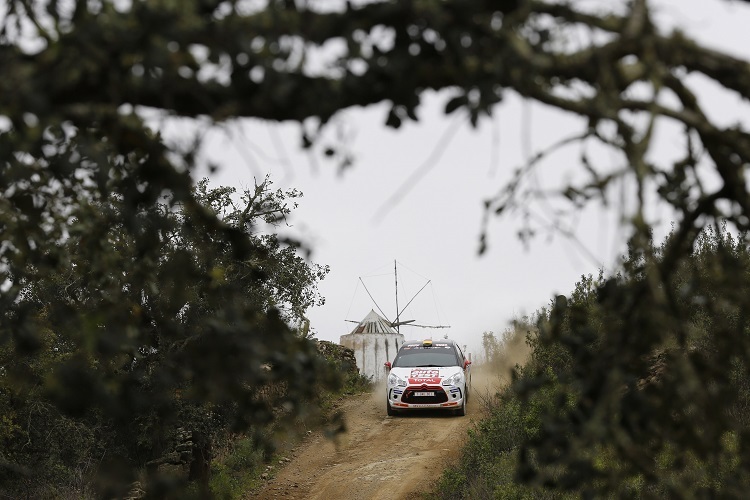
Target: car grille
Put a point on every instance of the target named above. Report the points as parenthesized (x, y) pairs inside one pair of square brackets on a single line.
[(439, 397)]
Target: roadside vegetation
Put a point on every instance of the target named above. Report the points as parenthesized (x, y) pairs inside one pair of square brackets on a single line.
[(241, 466), (137, 305), (625, 394), (133, 365)]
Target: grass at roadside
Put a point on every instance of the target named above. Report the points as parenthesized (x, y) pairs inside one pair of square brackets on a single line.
[(489, 460), (240, 467)]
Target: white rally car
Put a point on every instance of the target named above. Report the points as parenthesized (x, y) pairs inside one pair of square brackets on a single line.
[(428, 375)]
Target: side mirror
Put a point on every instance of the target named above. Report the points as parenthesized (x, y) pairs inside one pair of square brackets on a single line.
[(466, 363), (387, 365)]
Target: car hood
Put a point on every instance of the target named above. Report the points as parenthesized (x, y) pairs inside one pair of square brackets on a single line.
[(426, 375)]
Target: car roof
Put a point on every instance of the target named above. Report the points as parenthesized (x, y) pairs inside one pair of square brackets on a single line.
[(439, 341)]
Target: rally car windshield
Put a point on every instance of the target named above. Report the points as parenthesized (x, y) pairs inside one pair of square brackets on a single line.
[(424, 357)]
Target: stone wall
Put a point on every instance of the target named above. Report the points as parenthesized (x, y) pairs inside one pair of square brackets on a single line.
[(339, 354)]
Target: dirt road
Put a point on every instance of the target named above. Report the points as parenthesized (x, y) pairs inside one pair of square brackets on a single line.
[(379, 457)]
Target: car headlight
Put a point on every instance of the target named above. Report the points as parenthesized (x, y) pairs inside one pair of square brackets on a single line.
[(394, 379), (455, 379)]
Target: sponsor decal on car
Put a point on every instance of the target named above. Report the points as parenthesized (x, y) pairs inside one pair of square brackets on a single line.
[(424, 381), (424, 376)]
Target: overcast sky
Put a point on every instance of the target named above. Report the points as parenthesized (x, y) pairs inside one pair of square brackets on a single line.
[(416, 196)]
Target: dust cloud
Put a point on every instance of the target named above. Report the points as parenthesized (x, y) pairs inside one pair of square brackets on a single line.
[(382, 457), (515, 351), (495, 372)]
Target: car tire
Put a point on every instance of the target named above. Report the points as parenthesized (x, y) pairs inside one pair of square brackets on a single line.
[(391, 412), (462, 411)]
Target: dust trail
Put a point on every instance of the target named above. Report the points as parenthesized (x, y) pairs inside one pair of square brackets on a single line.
[(490, 377), (515, 351), (377, 394)]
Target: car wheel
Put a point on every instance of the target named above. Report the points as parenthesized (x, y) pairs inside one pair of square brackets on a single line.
[(462, 411), (391, 412)]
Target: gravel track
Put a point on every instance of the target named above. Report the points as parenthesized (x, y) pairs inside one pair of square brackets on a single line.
[(379, 457)]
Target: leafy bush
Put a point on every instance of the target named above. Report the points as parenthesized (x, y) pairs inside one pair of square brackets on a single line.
[(115, 345), (240, 462), (636, 386), (237, 467)]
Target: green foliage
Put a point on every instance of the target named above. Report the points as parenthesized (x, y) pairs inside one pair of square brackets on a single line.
[(148, 321), (238, 470), (357, 384), (343, 361), (635, 387), (281, 279), (240, 464), (489, 461), (128, 302)]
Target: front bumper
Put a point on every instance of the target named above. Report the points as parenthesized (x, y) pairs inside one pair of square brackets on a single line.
[(442, 397)]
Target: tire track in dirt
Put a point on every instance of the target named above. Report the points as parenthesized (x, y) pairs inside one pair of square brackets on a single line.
[(378, 457)]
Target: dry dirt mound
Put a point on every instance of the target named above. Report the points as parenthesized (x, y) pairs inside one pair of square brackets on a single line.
[(379, 457)]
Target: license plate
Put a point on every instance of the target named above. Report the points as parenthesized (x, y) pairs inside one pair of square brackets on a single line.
[(424, 394)]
